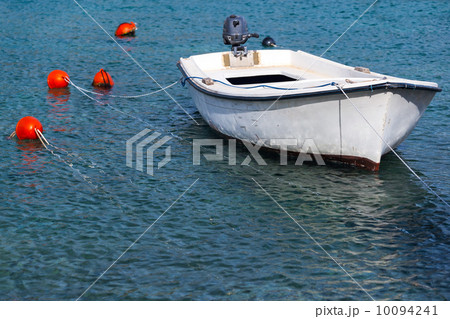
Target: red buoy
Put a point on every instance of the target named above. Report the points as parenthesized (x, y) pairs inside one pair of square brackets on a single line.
[(56, 79), (126, 29), (103, 79), (25, 128)]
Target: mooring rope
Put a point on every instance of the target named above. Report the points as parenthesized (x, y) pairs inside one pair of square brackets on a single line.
[(119, 96), (97, 186), (48, 146), (135, 61), (82, 91), (315, 61), (390, 148)]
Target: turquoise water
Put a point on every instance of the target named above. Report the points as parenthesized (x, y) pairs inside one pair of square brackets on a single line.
[(66, 217)]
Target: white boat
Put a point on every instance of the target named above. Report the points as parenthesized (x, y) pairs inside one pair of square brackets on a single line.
[(271, 95)]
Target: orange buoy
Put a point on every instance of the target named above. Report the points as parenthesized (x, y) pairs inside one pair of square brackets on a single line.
[(126, 29), (56, 79), (25, 128), (103, 79)]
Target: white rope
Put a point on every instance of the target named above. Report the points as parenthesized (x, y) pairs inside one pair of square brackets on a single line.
[(124, 113), (140, 236), (314, 62), (391, 149), (135, 61), (52, 148), (120, 96), (39, 133), (42, 138), (313, 239)]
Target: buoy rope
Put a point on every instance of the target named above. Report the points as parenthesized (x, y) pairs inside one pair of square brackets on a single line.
[(183, 83), (52, 148), (135, 61), (102, 103), (42, 138), (120, 96), (124, 113), (103, 72), (390, 148)]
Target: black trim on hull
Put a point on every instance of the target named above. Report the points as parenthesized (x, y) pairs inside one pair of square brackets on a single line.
[(387, 85)]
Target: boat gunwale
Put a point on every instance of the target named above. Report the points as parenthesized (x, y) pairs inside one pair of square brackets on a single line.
[(363, 87)]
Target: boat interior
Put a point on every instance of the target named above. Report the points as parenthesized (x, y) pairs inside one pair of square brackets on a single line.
[(274, 69)]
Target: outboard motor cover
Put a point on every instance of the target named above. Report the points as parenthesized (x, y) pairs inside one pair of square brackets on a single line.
[(235, 33), (235, 30)]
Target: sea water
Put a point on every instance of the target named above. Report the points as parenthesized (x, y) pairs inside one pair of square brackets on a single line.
[(66, 216)]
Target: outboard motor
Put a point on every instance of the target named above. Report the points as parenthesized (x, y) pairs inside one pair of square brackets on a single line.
[(235, 33)]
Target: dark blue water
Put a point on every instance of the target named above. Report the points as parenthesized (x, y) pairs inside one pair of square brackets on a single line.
[(66, 217)]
